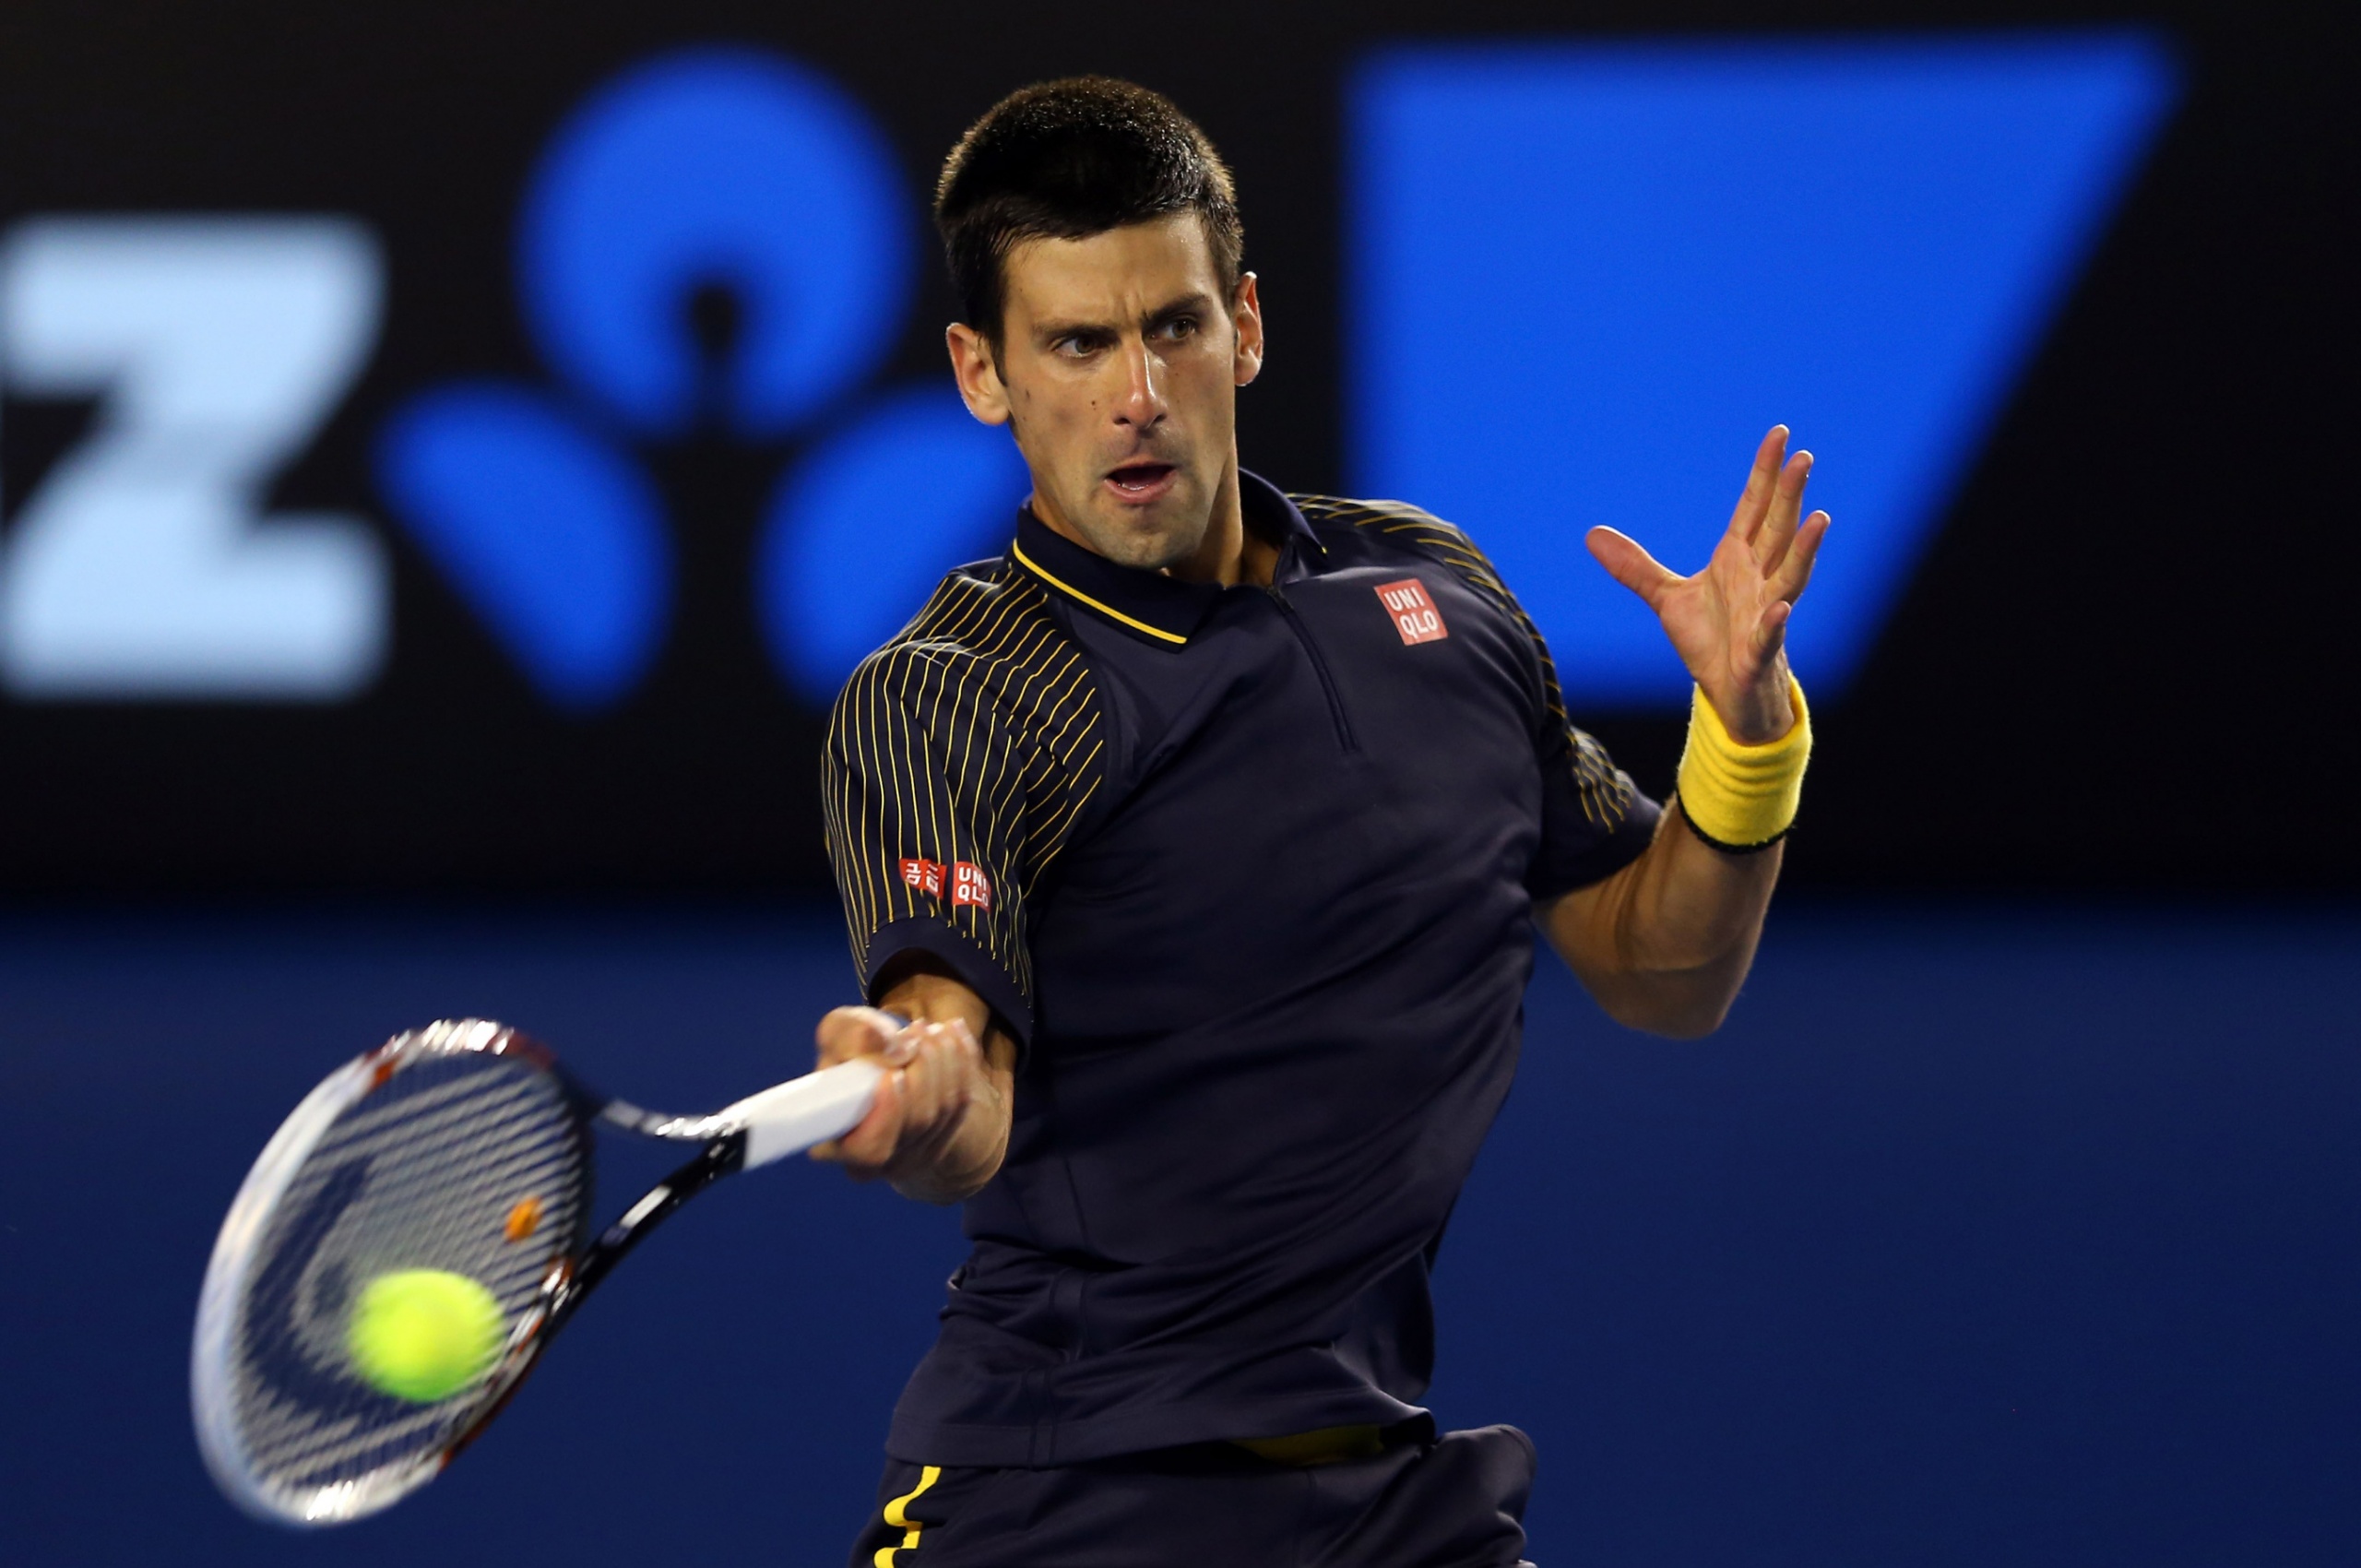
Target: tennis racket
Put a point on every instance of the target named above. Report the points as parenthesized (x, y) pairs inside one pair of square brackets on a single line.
[(461, 1146)]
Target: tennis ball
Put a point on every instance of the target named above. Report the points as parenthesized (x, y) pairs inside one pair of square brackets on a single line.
[(423, 1334)]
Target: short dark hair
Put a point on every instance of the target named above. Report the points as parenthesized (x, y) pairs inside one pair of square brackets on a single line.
[(1067, 159)]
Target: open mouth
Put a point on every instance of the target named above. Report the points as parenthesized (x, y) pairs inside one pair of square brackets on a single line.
[(1142, 480)]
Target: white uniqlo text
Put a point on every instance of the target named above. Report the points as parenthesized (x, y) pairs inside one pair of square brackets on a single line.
[(1415, 615), (970, 885)]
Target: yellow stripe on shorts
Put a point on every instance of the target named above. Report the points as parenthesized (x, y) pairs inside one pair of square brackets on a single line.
[(902, 1521)]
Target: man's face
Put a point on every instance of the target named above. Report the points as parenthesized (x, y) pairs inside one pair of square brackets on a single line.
[(1118, 370)]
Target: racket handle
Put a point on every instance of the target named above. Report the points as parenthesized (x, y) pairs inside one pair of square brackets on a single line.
[(790, 1117)]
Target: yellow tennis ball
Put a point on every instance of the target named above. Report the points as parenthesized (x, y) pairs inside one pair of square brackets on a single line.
[(423, 1334)]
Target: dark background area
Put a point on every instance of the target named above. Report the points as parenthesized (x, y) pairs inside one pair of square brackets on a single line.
[(2115, 669)]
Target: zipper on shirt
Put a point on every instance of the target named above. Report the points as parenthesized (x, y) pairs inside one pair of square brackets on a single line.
[(1319, 666)]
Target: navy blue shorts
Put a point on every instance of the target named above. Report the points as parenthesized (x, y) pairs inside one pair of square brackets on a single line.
[(1453, 1501)]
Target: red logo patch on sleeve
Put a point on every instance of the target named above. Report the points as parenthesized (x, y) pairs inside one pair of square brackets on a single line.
[(970, 885), (1415, 615), (924, 875)]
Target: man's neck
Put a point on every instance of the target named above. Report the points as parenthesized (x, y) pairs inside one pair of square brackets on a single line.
[(1230, 553)]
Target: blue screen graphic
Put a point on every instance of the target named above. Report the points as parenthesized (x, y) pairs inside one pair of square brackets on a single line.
[(857, 538), (727, 169), (1584, 279), (554, 539)]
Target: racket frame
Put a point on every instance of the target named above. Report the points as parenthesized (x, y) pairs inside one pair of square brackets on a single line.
[(782, 1119)]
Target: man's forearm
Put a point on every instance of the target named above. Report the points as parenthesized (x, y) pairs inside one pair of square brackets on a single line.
[(1664, 943)]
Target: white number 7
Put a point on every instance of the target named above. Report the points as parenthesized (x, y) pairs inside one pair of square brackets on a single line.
[(220, 344)]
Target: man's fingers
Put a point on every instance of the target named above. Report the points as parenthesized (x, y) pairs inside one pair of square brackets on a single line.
[(1787, 583), (1778, 528), (1771, 631), (1747, 515), (937, 1083), (1630, 564), (849, 1032), (934, 1070), (865, 1150)]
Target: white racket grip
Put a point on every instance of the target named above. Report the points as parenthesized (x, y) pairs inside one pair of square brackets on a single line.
[(790, 1117)]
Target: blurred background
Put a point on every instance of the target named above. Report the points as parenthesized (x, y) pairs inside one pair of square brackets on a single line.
[(449, 454)]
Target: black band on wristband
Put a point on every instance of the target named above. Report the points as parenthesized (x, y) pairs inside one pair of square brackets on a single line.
[(1712, 843)]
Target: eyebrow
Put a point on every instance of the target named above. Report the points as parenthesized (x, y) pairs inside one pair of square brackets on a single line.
[(1188, 304)]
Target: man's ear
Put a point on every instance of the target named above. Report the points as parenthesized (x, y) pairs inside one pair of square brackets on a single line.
[(973, 368), (1246, 317)]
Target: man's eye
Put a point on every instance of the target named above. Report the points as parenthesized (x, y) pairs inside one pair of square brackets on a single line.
[(1077, 348), (1181, 326)]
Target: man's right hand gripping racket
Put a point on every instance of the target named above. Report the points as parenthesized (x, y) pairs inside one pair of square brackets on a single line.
[(461, 1148)]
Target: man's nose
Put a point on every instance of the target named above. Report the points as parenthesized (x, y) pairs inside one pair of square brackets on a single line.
[(1142, 404)]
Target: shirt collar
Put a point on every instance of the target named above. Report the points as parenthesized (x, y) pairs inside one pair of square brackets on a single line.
[(1158, 608)]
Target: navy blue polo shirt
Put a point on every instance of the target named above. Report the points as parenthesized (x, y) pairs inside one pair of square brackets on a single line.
[(1249, 874)]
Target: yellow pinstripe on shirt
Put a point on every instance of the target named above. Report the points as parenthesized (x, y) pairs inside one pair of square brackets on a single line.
[(974, 736)]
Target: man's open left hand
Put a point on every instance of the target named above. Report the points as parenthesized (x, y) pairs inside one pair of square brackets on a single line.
[(1729, 622)]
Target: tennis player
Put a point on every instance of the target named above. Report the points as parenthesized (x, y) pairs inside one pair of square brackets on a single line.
[(1202, 838)]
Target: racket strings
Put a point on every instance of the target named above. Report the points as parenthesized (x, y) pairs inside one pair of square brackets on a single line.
[(432, 1170)]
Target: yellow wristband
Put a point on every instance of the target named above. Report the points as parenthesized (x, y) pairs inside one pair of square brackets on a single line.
[(1740, 797)]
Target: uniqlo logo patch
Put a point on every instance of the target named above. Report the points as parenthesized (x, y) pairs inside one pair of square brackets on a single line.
[(1415, 615), (924, 875), (970, 885)]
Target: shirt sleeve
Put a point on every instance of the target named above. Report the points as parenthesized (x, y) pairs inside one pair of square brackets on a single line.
[(924, 780), (1594, 821)]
